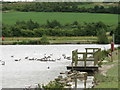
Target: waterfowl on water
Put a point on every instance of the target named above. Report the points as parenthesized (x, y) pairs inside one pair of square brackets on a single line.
[(48, 67), (17, 59), (2, 62), (12, 56)]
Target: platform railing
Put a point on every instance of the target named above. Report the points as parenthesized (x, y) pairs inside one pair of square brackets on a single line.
[(95, 56)]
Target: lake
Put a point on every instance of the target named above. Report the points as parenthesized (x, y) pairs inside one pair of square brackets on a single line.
[(19, 74)]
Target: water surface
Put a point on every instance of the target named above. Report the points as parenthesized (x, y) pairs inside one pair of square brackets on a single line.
[(23, 73)]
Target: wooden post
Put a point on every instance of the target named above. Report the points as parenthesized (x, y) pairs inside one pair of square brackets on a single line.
[(86, 50), (75, 80), (72, 59), (111, 56), (93, 52), (95, 57), (112, 49), (85, 79), (84, 58), (76, 58), (84, 83)]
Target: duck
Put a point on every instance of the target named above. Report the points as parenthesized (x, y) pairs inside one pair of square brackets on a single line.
[(2, 62)]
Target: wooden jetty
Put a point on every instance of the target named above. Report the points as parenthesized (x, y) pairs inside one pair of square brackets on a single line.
[(84, 64)]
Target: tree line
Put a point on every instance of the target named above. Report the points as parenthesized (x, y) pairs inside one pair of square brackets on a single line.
[(53, 28), (60, 7)]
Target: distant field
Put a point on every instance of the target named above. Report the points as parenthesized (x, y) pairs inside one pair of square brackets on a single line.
[(63, 18), (106, 5)]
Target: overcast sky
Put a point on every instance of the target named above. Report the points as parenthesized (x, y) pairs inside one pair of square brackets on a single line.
[(67, 0)]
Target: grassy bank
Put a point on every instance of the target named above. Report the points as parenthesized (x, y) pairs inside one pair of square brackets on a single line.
[(54, 40), (108, 77), (63, 18)]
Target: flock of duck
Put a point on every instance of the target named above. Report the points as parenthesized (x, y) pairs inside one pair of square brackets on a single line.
[(44, 59)]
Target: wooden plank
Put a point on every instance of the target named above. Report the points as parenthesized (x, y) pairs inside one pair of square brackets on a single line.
[(85, 53), (82, 68), (92, 48), (84, 60)]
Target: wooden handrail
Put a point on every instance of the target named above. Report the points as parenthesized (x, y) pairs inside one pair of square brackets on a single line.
[(85, 53), (92, 48), (95, 58)]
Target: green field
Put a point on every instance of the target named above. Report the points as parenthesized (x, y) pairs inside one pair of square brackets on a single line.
[(63, 18)]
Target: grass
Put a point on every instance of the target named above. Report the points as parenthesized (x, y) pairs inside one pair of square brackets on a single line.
[(109, 81), (54, 40), (111, 78), (63, 18), (50, 38)]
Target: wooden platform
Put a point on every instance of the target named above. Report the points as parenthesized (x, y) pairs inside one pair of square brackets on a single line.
[(90, 69)]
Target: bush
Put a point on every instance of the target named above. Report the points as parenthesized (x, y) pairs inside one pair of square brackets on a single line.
[(117, 34), (53, 85), (102, 38), (34, 42), (44, 40)]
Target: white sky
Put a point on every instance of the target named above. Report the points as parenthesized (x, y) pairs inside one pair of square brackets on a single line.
[(16, 0), (66, 0)]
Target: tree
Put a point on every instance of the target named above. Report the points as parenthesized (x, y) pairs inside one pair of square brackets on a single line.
[(6, 31), (102, 37), (117, 34), (75, 23), (96, 8), (32, 25), (16, 31), (53, 24)]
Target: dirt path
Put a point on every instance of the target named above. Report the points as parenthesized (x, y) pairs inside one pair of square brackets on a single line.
[(103, 70)]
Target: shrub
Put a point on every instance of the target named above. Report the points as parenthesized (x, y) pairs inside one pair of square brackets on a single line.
[(117, 34), (53, 85), (102, 38), (44, 40)]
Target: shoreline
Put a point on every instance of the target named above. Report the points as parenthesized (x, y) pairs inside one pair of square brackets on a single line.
[(107, 75)]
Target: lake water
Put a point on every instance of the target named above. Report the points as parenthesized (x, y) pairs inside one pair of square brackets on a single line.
[(23, 73)]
